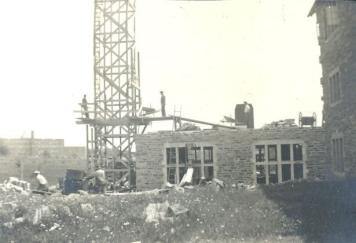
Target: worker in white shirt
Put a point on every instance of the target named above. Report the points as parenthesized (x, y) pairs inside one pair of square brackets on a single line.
[(247, 107), (41, 181), (100, 180)]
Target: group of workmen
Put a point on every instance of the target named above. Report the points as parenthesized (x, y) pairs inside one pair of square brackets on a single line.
[(98, 186), (85, 111)]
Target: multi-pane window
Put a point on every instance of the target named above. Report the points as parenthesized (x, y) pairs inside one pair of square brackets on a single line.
[(285, 152), (196, 163), (331, 17), (283, 162), (338, 154), (200, 158), (260, 153), (171, 155), (176, 165), (335, 87), (329, 20), (297, 152), (208, 163)]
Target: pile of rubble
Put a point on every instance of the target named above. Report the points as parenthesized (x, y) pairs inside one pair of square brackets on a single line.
[(13, 184), (281, 123), (188, 127)]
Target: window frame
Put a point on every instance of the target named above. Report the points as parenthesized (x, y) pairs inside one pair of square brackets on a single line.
[(279, 162), (198, 163), (338, 152), (329, 14), (335, 87)]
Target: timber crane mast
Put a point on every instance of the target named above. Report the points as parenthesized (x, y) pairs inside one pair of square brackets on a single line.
[(115, 115)]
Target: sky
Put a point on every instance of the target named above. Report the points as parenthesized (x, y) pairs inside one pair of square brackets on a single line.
[(207, 56)]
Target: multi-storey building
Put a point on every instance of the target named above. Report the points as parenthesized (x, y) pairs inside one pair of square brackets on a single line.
[(336, 23)]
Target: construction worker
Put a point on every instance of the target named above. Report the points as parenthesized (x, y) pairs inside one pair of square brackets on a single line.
[(85, 106), (41, 181), (247, 108), (99, 180), (163, 104)]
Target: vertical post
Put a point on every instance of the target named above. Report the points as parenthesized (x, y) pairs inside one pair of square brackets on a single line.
[(87, 146), (138, 70), (21, 169), (116, 91), (92, 155), (31, 141)]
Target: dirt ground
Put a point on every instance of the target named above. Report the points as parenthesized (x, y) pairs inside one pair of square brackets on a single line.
[(292, 212)]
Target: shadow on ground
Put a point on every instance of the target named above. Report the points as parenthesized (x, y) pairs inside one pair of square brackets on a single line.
[(324, 211)]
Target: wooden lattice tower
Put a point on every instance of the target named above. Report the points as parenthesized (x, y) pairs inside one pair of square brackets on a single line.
[(117, 115), (116, 87)]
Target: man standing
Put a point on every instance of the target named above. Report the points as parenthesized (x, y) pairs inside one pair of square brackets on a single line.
[(248, 110), (163, 104), (247, 107), (100, 180), (41, 181), (85, 106)]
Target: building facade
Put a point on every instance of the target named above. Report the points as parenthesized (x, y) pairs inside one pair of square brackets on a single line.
[(20, 157), (262, 156), (337, 39)]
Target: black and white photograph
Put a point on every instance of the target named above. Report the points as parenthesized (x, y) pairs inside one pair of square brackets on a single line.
[(166, 121)]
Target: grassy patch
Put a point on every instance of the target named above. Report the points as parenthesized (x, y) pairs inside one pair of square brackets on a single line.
[(322, 211)]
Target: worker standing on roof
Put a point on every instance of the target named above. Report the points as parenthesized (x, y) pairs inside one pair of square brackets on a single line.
[(163, 104), (85, 106), (247, 108), (41, 180)]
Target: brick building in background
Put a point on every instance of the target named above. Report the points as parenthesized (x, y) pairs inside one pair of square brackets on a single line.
[(50, 156), (336, 20)]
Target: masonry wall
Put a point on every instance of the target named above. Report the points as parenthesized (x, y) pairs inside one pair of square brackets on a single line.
[(234, 161), (338, 52), (50, 156)]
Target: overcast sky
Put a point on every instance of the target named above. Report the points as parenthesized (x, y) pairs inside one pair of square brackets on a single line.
[(206, 56)]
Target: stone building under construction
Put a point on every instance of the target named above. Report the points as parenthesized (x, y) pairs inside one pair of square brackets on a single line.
[(273, 155)]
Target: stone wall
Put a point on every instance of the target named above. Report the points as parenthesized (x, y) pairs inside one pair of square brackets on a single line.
[(338, 52), (233, 151), (50, 156)]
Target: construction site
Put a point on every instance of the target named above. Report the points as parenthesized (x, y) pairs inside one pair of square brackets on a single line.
[(290, 180)]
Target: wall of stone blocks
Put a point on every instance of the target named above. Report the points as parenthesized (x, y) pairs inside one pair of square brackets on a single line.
[(339, 51), (234, 161), (50, 156)]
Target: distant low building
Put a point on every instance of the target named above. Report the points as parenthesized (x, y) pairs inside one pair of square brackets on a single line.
[(50, 156)]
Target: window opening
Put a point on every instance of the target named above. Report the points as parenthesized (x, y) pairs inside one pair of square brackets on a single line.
[(297, 152), (286, 172), (272, 152), (273, 174), (285, 152), (338, 154), (208, 155), (260, 153), (171, 175), (196, 155), (284, 162), (298, 171), (261, 174), (335, 87), (171, 155), (200, 158), (182, 155)]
